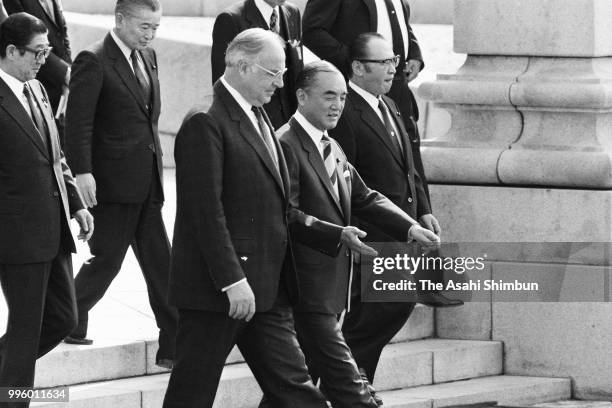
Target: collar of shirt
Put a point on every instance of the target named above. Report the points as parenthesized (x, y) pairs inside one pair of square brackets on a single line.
[(315, 134), (371, 99), (266, 11), (13, 83), (384, 24), (125, 50), (244, 104)]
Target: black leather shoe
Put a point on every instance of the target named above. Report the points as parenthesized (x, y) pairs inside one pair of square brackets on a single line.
[(370, 388), (78, 340), (165, 363), (436, 299)]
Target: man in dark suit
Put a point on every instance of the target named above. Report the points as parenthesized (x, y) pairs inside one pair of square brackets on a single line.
[(330, 26), (113, 147), (55, 74), (372, 133), (231, 256), (37, 197), (324, 185), (274, 15)]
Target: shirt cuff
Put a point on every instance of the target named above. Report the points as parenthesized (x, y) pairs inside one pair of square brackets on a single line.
[(225, 289)]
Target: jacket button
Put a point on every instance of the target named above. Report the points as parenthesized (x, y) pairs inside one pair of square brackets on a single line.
[(409, 199), (55, 194)]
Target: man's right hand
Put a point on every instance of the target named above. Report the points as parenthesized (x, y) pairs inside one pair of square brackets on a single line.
[(87, 186), (350, 237), (424, 236), (242, 301)]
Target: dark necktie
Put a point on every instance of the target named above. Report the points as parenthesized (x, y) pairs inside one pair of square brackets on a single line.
[(141, 77), (391, 128), (273, 21), (36, 114), (396, 31), (330, 163), (266, 136)]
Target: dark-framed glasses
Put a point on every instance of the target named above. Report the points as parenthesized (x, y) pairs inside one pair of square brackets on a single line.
[(274, 75), (38, 54), (394, 61)]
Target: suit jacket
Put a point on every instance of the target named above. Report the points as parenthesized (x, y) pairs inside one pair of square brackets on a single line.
[(231, 218), (368, 147), (37, 190), (331, 25), (110, 129), (244, 15), (53, 72), (317, 218)]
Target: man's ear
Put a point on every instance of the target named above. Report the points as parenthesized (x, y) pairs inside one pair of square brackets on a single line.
[(301, 96), (357, 68)]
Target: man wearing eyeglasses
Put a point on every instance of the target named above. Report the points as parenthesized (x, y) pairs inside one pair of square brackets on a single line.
[(277, 16), (113, 146), (55, 74), (373, 135), (38, 195), (231, 256)]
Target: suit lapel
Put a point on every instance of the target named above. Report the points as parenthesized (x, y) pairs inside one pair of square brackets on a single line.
[(124, 71), (250, 134), (316, 161), (13, 107), (44, 107), (371, 5), (253, 16), (371, 119), (51, 18), (344, 190), (399, 123), (151, 69)]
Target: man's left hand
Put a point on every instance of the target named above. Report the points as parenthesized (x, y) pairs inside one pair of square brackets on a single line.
[(413, 67), (431, 223), (86, 222)]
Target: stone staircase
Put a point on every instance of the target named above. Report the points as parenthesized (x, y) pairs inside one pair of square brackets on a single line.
[(415, 371)]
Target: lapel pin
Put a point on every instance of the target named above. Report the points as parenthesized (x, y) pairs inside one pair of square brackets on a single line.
[(244, 258)]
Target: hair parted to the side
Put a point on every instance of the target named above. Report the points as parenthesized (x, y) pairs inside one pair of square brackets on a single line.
[(359, 46), (19, 29), (124, 7), (308, 75), (248, 44)]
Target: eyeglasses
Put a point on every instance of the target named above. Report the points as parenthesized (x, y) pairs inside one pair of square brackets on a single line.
[(274, 75), (38, 54), (394, 61)]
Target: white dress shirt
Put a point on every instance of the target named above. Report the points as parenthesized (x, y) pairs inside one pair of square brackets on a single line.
[(384, 24), (266, 11), (16, 86), (127, 53), (316, 135), (371, 99)]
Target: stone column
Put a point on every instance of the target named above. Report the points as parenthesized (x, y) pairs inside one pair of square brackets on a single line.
[(533, 103), (528, 157)]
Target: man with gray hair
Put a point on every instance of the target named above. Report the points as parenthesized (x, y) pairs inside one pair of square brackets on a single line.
[(113, 146), (231, 262)]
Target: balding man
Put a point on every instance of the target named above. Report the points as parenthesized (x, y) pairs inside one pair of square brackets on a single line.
[(231, 259)]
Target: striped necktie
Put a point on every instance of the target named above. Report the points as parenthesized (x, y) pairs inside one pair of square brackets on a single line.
[(273, 21), (390, 126), (330, 163), (266, 135), (37, 117)]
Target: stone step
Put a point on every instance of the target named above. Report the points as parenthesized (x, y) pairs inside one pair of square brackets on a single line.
[(107, 360), (238, 389), (430, 361), (505, 389)]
